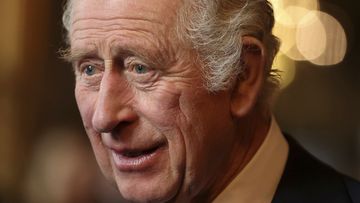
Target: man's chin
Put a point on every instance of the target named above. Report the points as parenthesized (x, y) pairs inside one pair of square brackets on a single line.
[(148, 189), (147, 193)]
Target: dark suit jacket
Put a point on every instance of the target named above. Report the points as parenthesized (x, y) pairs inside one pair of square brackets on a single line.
[(307, 180)]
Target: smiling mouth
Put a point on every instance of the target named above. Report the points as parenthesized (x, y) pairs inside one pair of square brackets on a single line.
[(137, 160), (138, 153)]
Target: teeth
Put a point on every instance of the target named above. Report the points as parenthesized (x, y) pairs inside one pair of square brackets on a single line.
[(132, 154), (139, 153)]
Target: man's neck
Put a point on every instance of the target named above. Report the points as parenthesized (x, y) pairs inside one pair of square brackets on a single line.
[(251, 131)]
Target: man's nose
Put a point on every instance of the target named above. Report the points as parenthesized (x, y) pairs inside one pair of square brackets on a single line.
[(113, 107)]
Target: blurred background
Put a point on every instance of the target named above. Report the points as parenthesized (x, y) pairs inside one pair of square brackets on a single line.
[(46, 157)]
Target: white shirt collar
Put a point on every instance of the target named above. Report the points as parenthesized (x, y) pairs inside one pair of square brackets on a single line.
[(258, 181)]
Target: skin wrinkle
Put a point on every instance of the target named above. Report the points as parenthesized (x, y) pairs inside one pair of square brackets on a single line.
[(115, 18), (185, 117), (173, 75), (126, 135), (146, 86), (120, 49), (178, 73), (194, 185), (92, 86), (157, 59), (97, 144), (258, 10), (131, 18), (100, 33), (135, 29), (177, 110), (141, 12), (184, 121), (171, 106)]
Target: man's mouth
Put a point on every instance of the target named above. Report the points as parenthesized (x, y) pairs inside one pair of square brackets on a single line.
[(137, 160), (137, 153)]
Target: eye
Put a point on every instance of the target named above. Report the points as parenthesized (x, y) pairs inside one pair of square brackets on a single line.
[(90, 70), (141, 69)]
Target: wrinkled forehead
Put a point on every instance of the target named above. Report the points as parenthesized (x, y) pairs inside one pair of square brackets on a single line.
[(162, 11)]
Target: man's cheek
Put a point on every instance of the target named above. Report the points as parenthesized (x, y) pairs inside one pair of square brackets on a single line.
[(101, 155), (160, 108), (86, 104)]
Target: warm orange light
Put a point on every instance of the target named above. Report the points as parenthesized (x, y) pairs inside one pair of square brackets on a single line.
[(287, 69), (281, 6), (10, 40), (307, 33), (336, 41), (285, 29), (311, 36)]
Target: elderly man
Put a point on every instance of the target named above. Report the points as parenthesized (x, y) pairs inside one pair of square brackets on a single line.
[(174, 96)]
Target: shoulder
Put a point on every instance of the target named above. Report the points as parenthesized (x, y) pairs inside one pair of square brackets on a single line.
[(353, 187), (306, 179)]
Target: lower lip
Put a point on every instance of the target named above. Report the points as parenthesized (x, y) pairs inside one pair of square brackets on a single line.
[(136, 164)]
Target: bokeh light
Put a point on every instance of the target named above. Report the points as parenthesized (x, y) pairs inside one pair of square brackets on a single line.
[(306, 34), (308, 4), (286, 68), (311, 36), (336, 41), (286, 31)]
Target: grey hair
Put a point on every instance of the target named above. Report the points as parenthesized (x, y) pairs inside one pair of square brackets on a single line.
[(214, 29), (66, 18)]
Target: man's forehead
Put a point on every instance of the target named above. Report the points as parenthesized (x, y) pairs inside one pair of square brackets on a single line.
[(112, 12), (140, 7)]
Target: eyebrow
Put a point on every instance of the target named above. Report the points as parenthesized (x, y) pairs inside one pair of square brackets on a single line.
[(153, 57), (126, 51), (72, 55)]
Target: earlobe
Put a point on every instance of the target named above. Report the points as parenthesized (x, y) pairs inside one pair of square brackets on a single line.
[(249, 83)]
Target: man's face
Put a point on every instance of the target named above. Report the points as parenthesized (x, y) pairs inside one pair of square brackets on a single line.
[(156, 132)]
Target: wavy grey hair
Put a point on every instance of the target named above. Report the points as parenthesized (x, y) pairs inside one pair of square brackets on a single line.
[(214, 29)]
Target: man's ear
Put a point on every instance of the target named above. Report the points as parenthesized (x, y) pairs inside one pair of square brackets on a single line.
[(249, 83)]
